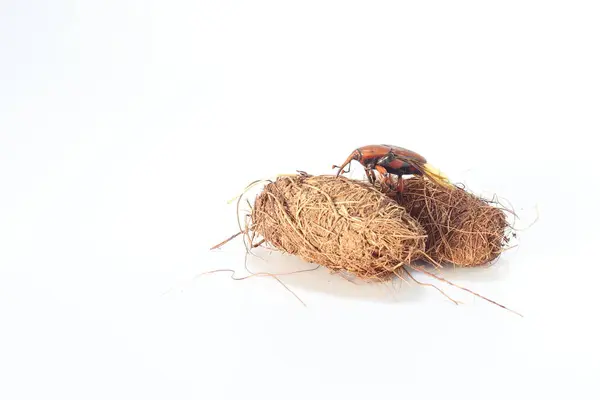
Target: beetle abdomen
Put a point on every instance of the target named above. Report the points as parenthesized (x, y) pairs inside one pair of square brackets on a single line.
[(400, 167)]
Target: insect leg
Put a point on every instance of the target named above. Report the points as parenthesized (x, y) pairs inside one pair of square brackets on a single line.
[(400, 186), (370, 175), (381, 170), (385, 179)]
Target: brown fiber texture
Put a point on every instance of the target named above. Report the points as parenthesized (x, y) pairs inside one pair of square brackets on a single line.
[(462, 228), (338, 223)]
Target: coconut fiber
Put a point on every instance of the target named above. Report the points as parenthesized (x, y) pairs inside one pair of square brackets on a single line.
[(338, 223), (462, 228)]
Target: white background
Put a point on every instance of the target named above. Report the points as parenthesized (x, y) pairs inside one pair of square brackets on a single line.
[(126, 126)]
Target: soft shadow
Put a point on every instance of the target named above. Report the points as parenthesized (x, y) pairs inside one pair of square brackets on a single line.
[(322, 280), (496, 271)]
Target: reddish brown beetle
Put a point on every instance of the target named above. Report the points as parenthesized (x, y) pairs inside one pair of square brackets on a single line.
[(394, 160)]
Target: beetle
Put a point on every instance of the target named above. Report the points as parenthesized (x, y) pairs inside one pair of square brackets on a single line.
[(391, 160)]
